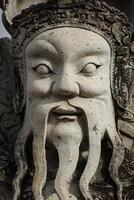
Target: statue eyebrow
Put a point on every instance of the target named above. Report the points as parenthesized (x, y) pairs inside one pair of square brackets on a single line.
[(88, 53), (40, 48)]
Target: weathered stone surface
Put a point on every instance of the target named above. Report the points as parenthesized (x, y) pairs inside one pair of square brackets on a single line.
[(72, 83)]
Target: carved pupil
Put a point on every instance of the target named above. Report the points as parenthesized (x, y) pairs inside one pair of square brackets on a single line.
[(89, 69), (43, 69)]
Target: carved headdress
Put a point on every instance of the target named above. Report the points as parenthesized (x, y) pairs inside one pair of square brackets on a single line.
[(29, 18)]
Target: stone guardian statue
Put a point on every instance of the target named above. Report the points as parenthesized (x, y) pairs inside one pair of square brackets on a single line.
[(73, 72)]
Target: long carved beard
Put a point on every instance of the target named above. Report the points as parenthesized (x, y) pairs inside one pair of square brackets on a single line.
[(100, 118), (96, 116), (36, 122)]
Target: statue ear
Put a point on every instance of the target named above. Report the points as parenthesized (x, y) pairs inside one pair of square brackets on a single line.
[(13, 8)]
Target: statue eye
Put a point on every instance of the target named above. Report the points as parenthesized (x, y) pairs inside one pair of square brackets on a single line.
[(89, 69), (43, 69)]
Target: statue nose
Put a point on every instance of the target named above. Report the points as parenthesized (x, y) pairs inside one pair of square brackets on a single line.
[(65, 86)]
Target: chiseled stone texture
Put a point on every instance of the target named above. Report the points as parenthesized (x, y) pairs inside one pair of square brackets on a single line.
[(72, 80)]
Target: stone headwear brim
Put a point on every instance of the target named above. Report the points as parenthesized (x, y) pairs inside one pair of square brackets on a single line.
[(12, 8)]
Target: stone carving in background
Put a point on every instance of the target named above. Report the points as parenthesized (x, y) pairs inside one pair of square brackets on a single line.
[(10, 122), (73, 70)]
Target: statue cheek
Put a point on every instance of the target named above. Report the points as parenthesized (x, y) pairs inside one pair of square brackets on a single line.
[(92, 87), (39, 88)]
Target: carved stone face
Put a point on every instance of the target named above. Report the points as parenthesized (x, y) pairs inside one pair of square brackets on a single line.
[(68, 99), (68, 62), (65, 63)]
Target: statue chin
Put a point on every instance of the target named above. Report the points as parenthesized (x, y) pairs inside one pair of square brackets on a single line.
[(64, 127)]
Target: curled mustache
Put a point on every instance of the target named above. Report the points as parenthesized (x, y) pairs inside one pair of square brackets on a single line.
[(37, 115)]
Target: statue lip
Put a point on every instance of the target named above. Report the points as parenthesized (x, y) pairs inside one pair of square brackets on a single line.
[(66, 112)]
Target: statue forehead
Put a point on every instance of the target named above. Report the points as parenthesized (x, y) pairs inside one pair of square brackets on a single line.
[(66, 37)]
